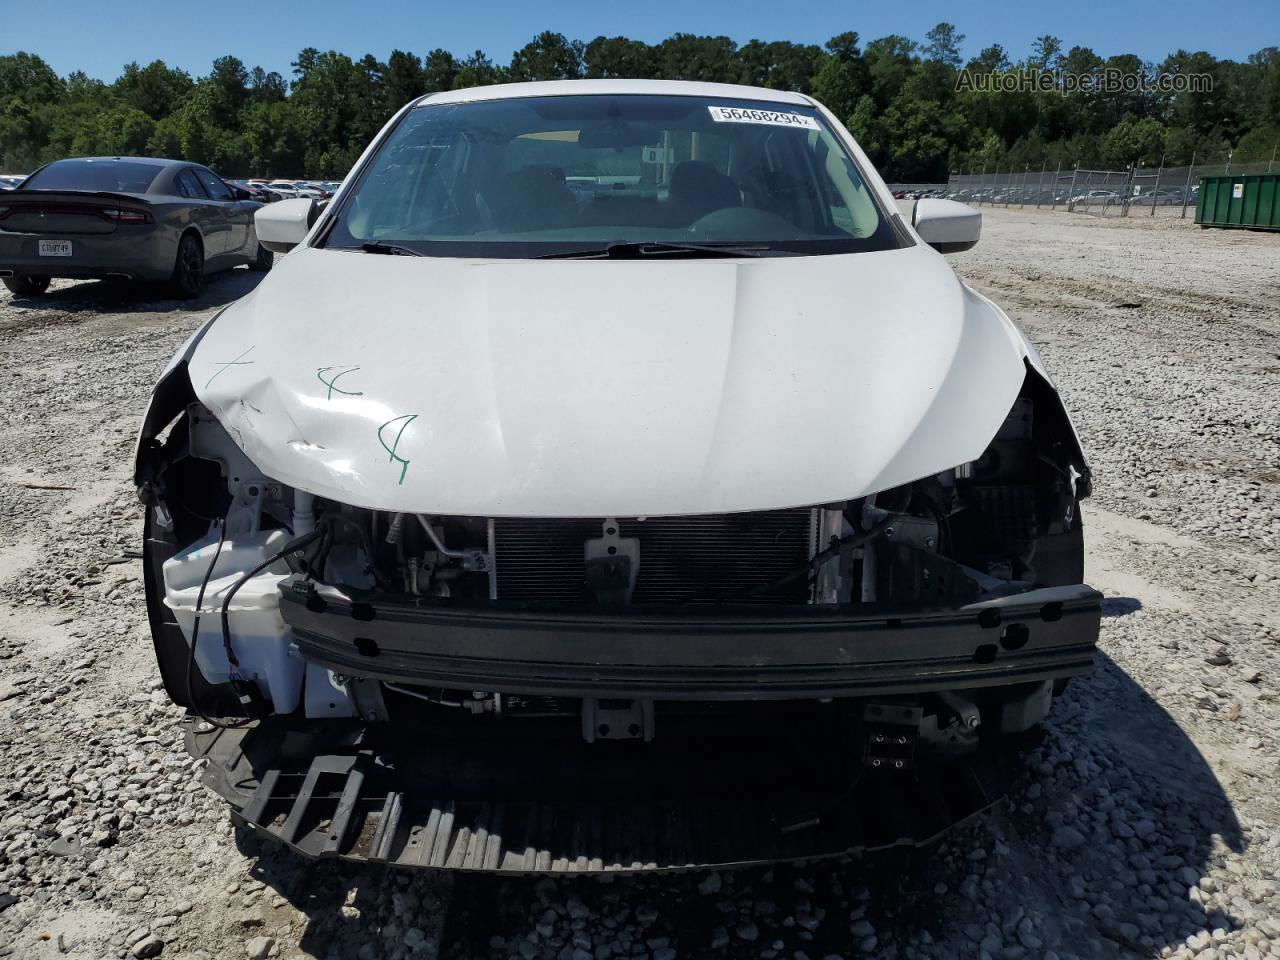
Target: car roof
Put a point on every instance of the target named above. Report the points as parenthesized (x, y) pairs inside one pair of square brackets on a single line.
[(161, 182), (155, 161), (561, 88)]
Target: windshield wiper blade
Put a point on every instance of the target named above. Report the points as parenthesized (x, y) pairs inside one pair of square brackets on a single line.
[(390, 249), (659, 248)]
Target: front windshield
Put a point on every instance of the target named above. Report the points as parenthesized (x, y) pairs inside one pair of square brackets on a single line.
[(538, 176)]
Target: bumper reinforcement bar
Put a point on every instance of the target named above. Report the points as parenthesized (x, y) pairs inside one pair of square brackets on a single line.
[(706, 654)]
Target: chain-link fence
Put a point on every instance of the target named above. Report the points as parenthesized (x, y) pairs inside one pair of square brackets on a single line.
[(1136, 191)]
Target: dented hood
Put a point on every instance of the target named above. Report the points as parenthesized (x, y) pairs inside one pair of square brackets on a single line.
[(607, 388)]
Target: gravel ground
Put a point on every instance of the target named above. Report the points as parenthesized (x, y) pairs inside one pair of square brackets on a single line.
[(1147, 822)]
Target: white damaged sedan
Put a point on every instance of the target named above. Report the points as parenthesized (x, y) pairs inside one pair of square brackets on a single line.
[(610, 478)]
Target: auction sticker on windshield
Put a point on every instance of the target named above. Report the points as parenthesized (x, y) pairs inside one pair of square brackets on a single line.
[(773, 117)]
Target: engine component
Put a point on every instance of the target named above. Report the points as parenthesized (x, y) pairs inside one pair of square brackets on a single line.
[(473, 560), (477, 702)]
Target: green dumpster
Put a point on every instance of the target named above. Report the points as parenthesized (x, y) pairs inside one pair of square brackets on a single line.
[(1251, 201)]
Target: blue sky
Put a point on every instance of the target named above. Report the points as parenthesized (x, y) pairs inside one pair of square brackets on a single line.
[(99, 36)]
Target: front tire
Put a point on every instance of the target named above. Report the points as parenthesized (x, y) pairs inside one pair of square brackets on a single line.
[(26, 285), (188, 268), (262, 262)]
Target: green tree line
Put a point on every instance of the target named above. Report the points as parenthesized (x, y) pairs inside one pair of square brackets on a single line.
[(899, 97)]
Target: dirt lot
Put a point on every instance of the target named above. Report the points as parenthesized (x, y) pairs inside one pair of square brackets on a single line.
[(1148, 819)]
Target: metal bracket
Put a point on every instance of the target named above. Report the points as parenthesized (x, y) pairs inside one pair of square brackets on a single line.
[(324, 693), (209, 440), (617, 720), (366, 694), (612, 564), (916, 531), (891, 730)]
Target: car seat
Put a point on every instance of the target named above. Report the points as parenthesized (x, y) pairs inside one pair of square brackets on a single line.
[(699, 188), (532, 198)]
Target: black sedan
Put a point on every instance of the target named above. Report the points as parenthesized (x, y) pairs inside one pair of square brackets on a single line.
[(131, 218)]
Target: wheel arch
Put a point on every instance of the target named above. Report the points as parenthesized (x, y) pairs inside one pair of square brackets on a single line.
[(191, 229)]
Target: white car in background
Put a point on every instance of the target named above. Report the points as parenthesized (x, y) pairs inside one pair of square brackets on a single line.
[(287, 189), (310, 190), (547, 519)]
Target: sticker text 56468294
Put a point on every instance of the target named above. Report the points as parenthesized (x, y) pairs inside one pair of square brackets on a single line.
[(775, 118)]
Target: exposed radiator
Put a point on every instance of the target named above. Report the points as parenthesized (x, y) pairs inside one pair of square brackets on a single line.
[(1010, 511), (702, 559)]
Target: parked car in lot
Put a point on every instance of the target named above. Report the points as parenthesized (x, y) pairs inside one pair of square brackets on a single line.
[(1096, 197), (524, 526), (292, 189), (1159, 198), (256, 191), (134, 218), (269, 195), (286, 189)]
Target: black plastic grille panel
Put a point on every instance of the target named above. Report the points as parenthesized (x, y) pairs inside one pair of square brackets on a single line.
[(505, 811)]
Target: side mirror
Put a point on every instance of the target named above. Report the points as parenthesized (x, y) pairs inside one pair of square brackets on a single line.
[(241, 193), (946, 225), (283, 225)]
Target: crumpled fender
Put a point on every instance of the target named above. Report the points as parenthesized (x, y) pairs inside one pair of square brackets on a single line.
[(169, 397)]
